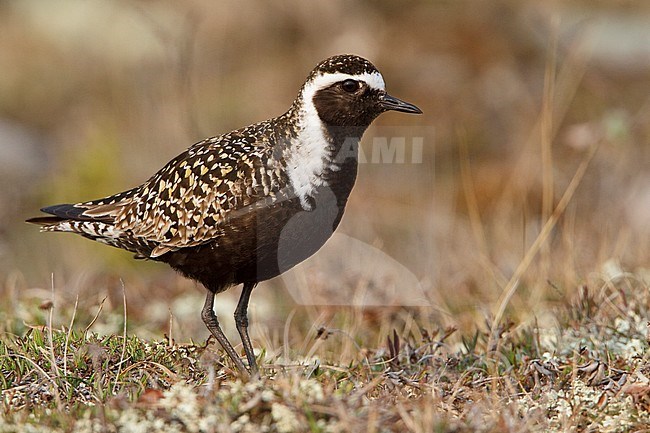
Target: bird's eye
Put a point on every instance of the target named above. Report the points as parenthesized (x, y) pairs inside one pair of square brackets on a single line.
[(350, 85)]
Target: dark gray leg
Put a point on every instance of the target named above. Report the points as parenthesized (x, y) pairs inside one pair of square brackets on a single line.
[(210, 320), (241, 321)]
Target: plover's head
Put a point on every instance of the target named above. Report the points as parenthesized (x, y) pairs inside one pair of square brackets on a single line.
[(348, 91)]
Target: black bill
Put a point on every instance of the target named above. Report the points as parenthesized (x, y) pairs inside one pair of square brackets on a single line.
[(391, 103)]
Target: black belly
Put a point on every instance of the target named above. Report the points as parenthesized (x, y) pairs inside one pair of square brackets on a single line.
[(264, 243)]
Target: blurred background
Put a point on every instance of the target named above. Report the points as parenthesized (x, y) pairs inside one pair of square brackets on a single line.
[(96, 96)]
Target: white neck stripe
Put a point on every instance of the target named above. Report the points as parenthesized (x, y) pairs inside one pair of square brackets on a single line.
[(311, 156)]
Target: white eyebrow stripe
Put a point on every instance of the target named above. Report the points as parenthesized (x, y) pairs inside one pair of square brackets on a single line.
[(374, 80)]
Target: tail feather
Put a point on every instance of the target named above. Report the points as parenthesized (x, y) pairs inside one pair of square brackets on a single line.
[(67, 212), (94, 220), (70, 218), (45, 220)]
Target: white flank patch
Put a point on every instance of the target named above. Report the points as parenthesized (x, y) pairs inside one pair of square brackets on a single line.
[(310, 156), (109, 231), (89, 228), (64, 227)]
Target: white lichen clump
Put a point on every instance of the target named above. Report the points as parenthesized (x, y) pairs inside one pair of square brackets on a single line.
[(285, 420), (618, 415)]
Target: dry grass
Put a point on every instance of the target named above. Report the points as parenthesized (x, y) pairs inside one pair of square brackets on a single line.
[(590, 372), (500, 284)]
